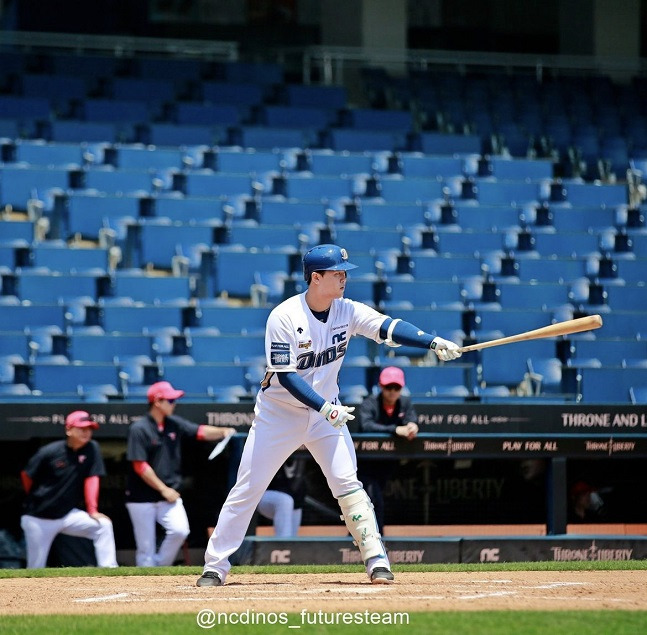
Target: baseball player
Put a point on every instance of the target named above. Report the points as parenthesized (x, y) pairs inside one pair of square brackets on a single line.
[(387, 412), (305, 342), (283, 501), (61, 479), (154, 448)]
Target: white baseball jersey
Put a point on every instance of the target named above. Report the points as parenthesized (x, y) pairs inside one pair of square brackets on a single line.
[(296, 341)]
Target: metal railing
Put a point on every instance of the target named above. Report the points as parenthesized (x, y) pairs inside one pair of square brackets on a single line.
[(329, 64), (118, 45)]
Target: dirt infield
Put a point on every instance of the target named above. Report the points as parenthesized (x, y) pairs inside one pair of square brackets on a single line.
[(328, 592)]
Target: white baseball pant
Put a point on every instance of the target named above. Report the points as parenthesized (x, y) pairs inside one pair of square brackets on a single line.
[(277, 431), (279, 508), (172, 517), (40, 533)]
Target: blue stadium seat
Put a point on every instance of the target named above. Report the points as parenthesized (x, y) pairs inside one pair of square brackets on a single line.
[(141, 89), (376, 213), (152, 289), (533, 295), (338, 163), (627, 298), (280, 212), (566, 244), (589, 195), (467, 243), (420, 166), (104, 347), (111, 180), (521, 169), (160, 241), (172, 134), (71, 378), (274, 237), (307, 187), (236, 269), (41, 287), (366, 240), (19, 183), (140, 157), (506, 192), (18, 316), (450, 267), (60, 257), (442, 143), (70, 131), (115, 111), (507, 365), (205, 379), (86, 213), (17, 107), (240, 161), (213, 184), (40, 153), (397, 189), (513, 321), (311, 95), (266, 138), (551, 269), (484, 217), (417, 293), (356, 140), (188, 209), (583, 219), (131, 318), (638, 394), (12, 230), (238, 93), (261, 73), (206, 114), (230, 320), (610, 385), (279, 116), (421, 380), (238, 349)]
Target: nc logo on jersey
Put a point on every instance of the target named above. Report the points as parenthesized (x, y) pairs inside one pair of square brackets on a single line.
[(311, 359)]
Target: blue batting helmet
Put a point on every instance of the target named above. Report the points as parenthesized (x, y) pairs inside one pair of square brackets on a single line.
[(325, 258)]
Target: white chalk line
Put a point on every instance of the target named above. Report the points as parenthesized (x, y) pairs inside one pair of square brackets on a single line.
[(105, 598)]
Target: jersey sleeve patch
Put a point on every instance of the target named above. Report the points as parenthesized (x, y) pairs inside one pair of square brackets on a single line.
[(279, 346), (279, 358)]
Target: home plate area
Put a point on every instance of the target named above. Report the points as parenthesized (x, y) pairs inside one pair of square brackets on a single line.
[(330, 592)]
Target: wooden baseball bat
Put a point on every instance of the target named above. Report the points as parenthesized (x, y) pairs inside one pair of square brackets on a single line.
[(587, 323)]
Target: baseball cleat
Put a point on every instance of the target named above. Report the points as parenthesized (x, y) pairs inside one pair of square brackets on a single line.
[(209, 578), (381, 575)]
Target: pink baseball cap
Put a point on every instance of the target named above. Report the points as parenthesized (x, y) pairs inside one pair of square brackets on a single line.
[(80, 419), (392, 375), (163, 390)]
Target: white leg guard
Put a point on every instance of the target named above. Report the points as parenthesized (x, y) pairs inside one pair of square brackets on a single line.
[(358, 514)]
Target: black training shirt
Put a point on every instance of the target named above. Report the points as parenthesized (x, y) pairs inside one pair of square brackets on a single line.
[(58, 476), (161, 450)]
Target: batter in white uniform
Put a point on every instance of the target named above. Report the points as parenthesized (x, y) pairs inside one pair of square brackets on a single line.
[(305, 342)]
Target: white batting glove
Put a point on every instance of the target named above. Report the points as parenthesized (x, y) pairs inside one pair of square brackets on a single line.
[(338, 415), (445, 349)]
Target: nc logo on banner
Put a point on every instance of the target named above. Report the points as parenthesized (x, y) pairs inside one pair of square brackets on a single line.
[(280, 556), (489, 555)]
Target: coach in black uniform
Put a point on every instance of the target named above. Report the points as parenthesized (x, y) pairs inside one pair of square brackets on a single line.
[(60, 480), (152, 495), (388, 412)]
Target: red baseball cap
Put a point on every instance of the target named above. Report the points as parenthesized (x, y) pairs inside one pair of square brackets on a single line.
[(80, 419), (392, 375), (163, 390)]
